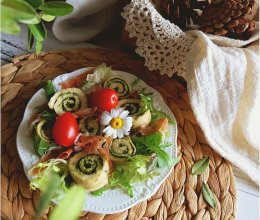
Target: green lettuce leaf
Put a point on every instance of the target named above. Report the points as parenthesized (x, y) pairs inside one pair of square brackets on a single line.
[(135, 169), (49, 89)]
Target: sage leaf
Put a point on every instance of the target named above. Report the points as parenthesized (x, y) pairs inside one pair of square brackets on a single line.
[(18, 10), (208, 195), (38, 30), (70, 206), (35, 3), (46, 196), (56, 8), (200, 166)]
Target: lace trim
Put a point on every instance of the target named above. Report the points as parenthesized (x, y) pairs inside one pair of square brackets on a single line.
[(163, 45)]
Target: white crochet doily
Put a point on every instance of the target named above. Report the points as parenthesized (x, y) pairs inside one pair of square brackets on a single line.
[(163, 45)]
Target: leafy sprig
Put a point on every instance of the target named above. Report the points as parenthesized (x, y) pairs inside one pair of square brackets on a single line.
[(33, 13)]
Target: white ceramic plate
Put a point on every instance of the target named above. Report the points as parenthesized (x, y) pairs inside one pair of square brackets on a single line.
[(114, 200)]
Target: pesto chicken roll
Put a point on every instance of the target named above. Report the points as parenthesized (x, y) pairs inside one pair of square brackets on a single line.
[(91, 125), (122, 149), (89, 170), (134, 106), (119, 85), (68, 100)]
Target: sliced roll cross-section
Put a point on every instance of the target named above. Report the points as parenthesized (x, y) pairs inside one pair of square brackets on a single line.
[(91, 125), (134, 106), (122, 149), (119, 85), (89, 170), (68, 100)]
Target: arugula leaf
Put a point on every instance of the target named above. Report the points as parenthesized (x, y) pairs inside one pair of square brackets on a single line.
[(153, 143), (147, 101), (49, 89), (48, 115), (40, 145)]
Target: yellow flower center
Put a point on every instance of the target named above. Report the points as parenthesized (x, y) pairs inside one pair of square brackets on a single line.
[(116, 123)]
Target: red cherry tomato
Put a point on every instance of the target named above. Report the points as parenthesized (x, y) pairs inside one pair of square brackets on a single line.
[(104, 99), (65, 130)]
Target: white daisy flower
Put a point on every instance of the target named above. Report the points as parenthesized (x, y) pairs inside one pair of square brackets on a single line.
[(118, 123)]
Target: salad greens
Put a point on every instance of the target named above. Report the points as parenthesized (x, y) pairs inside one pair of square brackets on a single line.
[(135, 169), (40, 145), (153, 143), (147, 100), (48, 115), (49, 89)]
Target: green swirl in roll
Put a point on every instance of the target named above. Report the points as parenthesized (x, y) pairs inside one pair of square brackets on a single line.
[(68, 100), (122, 149), (134, 106), (89, 170), (131, 105), (90, 125), (89, 164), (119, 85)]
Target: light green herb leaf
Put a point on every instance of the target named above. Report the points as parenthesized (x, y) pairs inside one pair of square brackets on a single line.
[(46, 196), (200, 166), (8, 25), (48, 115), (47, 17), (38, 30), (49, 89), (30, 40), (35, 3), (70, 206), (208, 195), (56, 8), (18, 10), (38, 47)]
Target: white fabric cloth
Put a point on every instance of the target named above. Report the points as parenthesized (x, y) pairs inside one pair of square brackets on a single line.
[(223, 81), (88, 19)]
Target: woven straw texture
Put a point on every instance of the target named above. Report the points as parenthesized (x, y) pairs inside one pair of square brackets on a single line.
[(179, 197)]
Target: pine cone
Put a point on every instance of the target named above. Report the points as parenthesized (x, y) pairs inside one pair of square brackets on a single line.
[(227, 18), (182, 12)]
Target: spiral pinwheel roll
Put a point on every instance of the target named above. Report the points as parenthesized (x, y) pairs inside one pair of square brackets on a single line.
[(122, 149), (43, 130), (68, 100), (89, 170), (91, 125), (140, 118), (119, 85)]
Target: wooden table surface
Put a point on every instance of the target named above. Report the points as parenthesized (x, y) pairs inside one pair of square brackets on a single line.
[(248, 194)]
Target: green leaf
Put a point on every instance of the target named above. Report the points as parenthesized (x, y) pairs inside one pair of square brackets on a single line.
[(49, 89), (70, 206), (18, 10), (208, 195), (48, 115), (47, 17), (30, 40), (35, 3), (38, 47), (40, 145), (38, 30), (46, 196), (9, 26), (200, 166), (56, 8)]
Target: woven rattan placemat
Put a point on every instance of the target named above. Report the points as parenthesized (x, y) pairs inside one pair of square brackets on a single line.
[(180, 197)]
